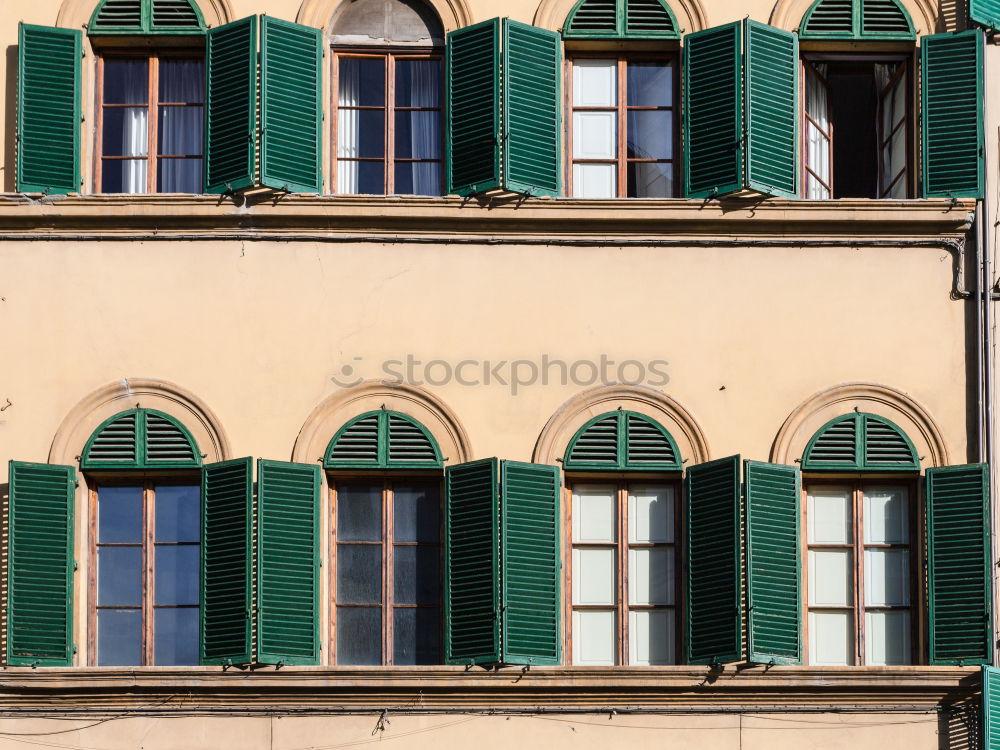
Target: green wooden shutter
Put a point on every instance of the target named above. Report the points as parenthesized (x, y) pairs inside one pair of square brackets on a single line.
[(472, 74), (951, 71), (231, 106), (40, 565), (985, 13), (714, 621), (291, 87), (287, 563), (531, 563), (226, 562), (958, 565), (472, 563), (991, 708), (774, 572), (532, 128), (48, 109)]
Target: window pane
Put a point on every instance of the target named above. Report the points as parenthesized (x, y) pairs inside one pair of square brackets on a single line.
[(119, 637), (181, 131), (123, 175), (361, 82), (829, 511), (594, 83), (179, 175), (595, 135), (887, 638), (594, 513), (651, 637), (594, 638), (887, 518), (887, 577), (360, 177), (177, 574), (651, 575), (651, 514), (418, 178), (415, 636), (175, 636), (126, 81), (418, 83), (416, 513), (119, 576), (650, 134), (362, 133), (178, 513), (119, 514), (125, 132), (595, 181), (650, 84), (830, 639), (182, 81), (359, 635), (417, 575), (359, 512), (359, 573), (829, 578), (418, 135), (650, 180), (594, 576)]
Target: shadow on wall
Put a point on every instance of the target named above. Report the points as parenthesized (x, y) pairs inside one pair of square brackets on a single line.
[(10, 127), (4, 546), (959, 726), (952, 15)]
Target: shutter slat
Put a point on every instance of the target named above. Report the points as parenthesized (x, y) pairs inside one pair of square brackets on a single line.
[(772, 122), (985, 13), (409, 442)]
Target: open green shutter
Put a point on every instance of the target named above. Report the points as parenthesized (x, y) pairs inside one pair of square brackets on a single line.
[(40, 565), (958, 565), (472, 563), (532, 68), (951, 70), (985, 13), (714, 621), (227, 562), (231, 106), (774, 572), (291, 87), (991, 708), (531, 563), (48, 109), (287, 563)]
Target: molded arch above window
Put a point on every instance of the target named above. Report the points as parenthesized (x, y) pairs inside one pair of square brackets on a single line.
[(856, 20), (383, 439), (620, 441), (387, 22), (860, 442), (141, 439), (621, 19), (132, 17)]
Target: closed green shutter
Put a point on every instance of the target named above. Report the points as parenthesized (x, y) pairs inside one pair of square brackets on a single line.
[(291, 87), (287, 563), (985, 13), (472, 563), (774, 573), (226, 562), (951, 71), (231, 106), (531, 563), (40, 565), (48, 109), (958, 565), (714, 622), (991, 708)]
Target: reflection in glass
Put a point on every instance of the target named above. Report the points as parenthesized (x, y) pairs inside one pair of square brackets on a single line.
[(415, 636), (177, 568), (178, 513), (119, 576), (416, 575), (119, 515), (176, 636), (359, 574), (359, 635), (416, 513), (359, 512), (119, 637)]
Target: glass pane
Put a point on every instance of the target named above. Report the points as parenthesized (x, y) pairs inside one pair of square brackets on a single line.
[(417, 575), (175, 636), (126, 81), (176, 574), (650, 180), (829, 510), (594, 513), (650, 134), (182, 81), (594, 576), (359, 512), (359, 635), (594, 83), (119, 514), (179, 175), (418, 135), (119, 637), (829, 578), (181, 131), (887, 518), (119, 576), (125, 132), (651, 514), (887, 638), (416, 636), (123, 176), (416, 513), (418, 178), (361, 82), (178, 513), (830, 639), (418, 83), (594, 638), (887, 577), (650, 84), (361, 133), (361, 177), (359, 573), (651, 575), (651, 637), (595, 181), (595, 135)]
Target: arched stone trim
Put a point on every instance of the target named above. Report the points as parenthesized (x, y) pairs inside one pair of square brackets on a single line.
[(75, 14), (574, 413), (691, 14), (454, 14), (882, 400), (127, 393), (787, 14), (333, 412)]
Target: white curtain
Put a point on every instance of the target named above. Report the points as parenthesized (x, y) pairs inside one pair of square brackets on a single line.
[(348, 121), (425, 128), (181, 82), (818, 136), (135, 143), (891, 132)]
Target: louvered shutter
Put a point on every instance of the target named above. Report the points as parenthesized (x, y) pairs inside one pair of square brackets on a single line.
[(884, 19), (649, 18), (472, 563), (594, 18), (958, 565), (40, 565), (118, 16), (408, 444), (167, 443), (991, 708), (531, 563), (115, 443), (985, 13), (175, 14), (714, 622), (231, 106), (829, 19), (48, 109), (287, 563), (227, 562), (774, 573), (951, 67), (291, 57)]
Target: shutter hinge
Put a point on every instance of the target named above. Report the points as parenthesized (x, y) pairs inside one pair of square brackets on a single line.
[(76, 566)]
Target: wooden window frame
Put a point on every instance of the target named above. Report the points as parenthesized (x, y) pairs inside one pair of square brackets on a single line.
[(389, 107), (622, 109), (857, 484), (621, 545), (152, 105)]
